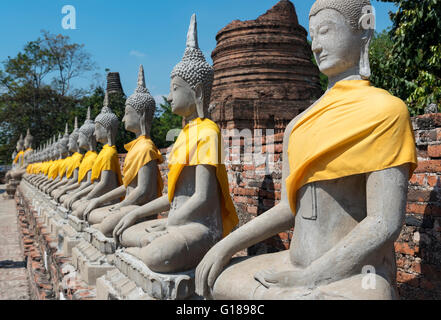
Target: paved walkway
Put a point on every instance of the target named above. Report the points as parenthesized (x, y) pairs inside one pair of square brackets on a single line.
[(14, 283)]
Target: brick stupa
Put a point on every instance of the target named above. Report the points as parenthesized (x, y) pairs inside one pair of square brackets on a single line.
[(264, 75)]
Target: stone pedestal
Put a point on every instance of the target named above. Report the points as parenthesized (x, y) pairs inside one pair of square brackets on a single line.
[(134, 280), (116, 286), (90, 262)]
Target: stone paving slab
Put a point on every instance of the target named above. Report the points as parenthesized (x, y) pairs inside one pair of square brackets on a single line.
[(14, 284)]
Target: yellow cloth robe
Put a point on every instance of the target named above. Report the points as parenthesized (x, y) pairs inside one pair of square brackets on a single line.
[(107, 160), (53, 171), (17, 157), (200, 143), (47, 167), (354, 129), (86, 165), (63, 167), (140, 152), (74, 163)]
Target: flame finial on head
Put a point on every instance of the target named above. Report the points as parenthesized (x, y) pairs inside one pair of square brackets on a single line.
[(192, 35), (107, 118), (89, 125), (141, 99)]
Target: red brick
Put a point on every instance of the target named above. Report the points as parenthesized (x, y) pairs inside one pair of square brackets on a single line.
[(401, 263), (433, 180), (418, 195), (426, 209), (438, 134), (278, 148), (246, 191), (240, 199), (432, 166), (404, 248), (416, 208), (252, 210), (284, 236), (418, 179), (416, 267), (407, 278), (434, 151)]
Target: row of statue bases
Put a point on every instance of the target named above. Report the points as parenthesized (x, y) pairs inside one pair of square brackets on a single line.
[(347, 211)]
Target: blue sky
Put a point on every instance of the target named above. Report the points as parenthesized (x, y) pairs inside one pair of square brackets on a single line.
[(121, 35)]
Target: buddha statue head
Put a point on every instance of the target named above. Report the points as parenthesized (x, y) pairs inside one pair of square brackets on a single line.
[(63, 143), (86, 137), (54, 147), (29, 139), (20, 143), (106, 124), (140, 108), (191, 79), (73, 138), (341, 31)]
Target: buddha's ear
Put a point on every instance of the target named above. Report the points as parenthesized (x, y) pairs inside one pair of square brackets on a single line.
[(367, 26), (142, 123), (199, 93)]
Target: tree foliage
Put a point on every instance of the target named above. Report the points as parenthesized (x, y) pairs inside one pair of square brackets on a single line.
[(407, 60), (36, 91), (164, 121)]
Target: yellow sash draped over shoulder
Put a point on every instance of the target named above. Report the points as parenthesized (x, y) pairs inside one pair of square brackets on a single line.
[(74, 163), (17, 157), (200, 142), (47, 167), (140, 152), (355, 128), (107, 160), (63, 167), (86, 165), (53, 170)]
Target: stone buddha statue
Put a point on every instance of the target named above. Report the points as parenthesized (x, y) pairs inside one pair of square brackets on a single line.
[(346, 164), (86, 141), (45, 160), (16, 156), (13, 176), (52, 165), (70, 174), (59, 170), (28, 140), (201, 209), (106, 172), (142, 181)]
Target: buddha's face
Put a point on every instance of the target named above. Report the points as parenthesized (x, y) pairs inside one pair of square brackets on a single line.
[(83, 142), (72, 145), (19, 146), (182, 97), (100, 133), (27, 144), (336, 46), (131, 119)]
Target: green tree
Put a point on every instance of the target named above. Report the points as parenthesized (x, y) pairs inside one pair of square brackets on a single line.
[(35, 90), (379, 56), (412, 66), (164, 121)]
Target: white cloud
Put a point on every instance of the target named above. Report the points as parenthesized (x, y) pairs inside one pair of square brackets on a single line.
[(137, 54)]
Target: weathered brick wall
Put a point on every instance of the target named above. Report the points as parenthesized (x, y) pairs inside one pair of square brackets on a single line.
[(418, 249)]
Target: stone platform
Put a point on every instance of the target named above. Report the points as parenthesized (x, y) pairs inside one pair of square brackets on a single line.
[(79, 262)]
